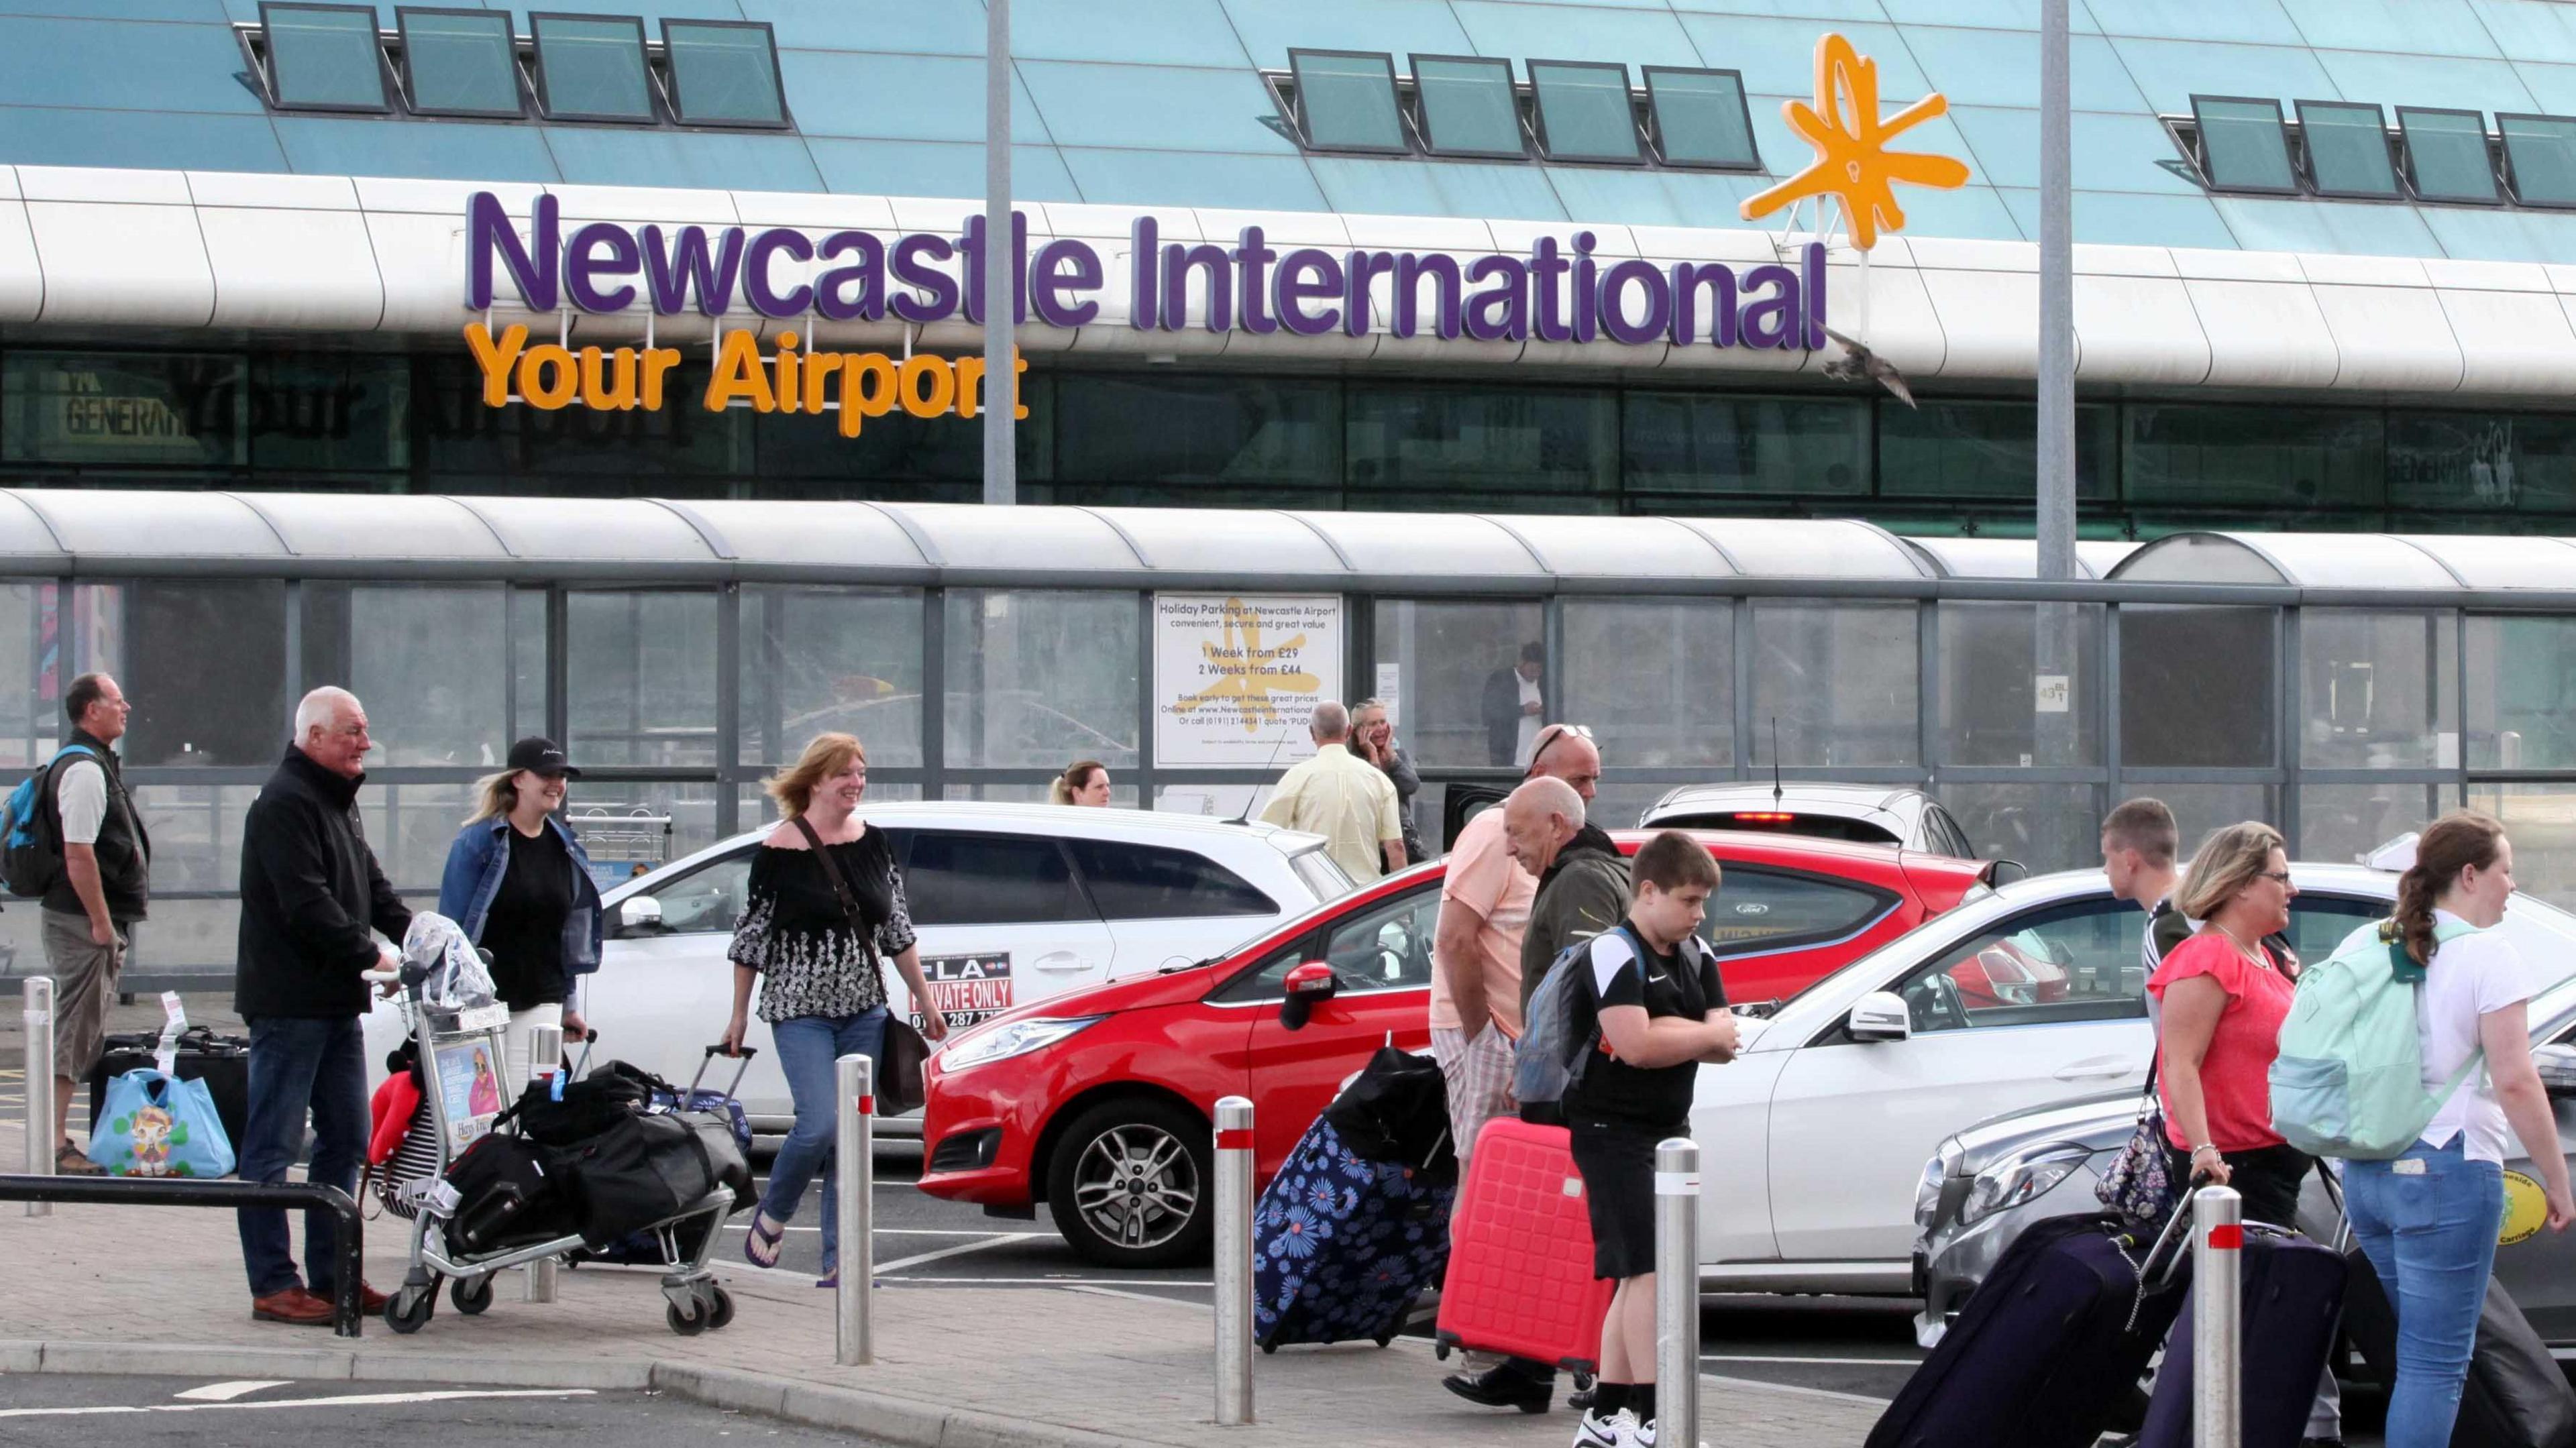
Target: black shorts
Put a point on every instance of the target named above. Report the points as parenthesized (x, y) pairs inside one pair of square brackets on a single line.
[(1617, 1160)]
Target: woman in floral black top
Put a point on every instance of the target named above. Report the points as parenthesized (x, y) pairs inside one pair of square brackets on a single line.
[(825, 991)]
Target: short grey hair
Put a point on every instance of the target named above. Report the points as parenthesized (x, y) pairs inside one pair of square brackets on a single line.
[(318, 709), (1548, 793), (1331, 721)]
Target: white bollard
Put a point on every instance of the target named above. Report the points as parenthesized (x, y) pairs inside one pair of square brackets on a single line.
[(39, 1021), (1234, 1204), (1677, 1291), (545, 1058), (854, 1174), (2217, 1327)]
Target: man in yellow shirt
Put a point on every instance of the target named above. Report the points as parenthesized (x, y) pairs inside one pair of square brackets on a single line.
[(1344, 798)]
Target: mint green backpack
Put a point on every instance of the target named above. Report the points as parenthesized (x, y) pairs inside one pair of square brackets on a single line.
[(2349, 1081)]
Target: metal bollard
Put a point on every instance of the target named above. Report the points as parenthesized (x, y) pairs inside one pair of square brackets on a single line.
[(1233, 1262), (1677, 1290), (39, 1021), (2217, 1326), (854, 1176), (545, 1058)]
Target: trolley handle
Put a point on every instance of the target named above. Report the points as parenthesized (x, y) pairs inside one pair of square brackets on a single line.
[(742, 1066)]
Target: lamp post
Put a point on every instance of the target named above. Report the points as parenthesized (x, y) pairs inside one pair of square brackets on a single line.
[(1001, 379)]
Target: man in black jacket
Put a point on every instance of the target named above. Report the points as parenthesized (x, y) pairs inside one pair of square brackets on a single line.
[(311, 891)]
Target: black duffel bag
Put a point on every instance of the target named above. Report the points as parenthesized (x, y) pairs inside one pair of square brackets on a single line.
[(506, 1196), (595, 1104), (648, 1169)]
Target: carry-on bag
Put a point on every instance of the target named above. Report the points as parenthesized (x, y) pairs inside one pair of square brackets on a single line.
[(1356, 1224), (2515, 1397), (2289, 1293), (505, 1196), (647, 1247), (649, 1169), (158, 1126), (1520, 1255), (2051, 1344), (221, 1061)]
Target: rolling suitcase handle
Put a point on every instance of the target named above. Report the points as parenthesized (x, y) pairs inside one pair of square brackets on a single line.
[(742, 1066)]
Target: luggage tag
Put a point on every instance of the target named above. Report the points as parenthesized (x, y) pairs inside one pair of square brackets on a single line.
[(174, 1024)]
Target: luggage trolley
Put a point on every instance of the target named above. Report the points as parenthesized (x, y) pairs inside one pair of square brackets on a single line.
[(462, 1059)]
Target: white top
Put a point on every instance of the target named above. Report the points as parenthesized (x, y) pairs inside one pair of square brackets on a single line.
[(1530, 724), (2468, 977), (81, 793)]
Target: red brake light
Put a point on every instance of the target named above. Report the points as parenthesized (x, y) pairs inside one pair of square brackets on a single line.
[(1763, 817)]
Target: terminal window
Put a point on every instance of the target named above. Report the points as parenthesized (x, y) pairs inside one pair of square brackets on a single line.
[(2242, 144), (1346, 100), (1584, 112), (592, 68), (2446, 154), (2541, 153), (324, 57), (460, 63), (723, 74), (2347, 149), (1467, 106), (1699, 117)]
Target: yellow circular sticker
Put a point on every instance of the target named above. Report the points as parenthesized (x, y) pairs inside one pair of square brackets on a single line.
[(2526, 1210)]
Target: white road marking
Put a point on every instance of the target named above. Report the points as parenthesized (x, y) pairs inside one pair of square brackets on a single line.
[(1138, 1296), (1025, 1282), (745, 1226), (354, 1400), (1722, 1357), (226, 1392), (1002, 1239)]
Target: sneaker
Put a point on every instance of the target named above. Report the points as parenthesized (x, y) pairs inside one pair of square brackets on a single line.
[(1616, 1431)]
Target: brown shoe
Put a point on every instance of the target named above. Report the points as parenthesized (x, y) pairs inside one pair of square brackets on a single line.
[(294, 1307), (70, 1160)]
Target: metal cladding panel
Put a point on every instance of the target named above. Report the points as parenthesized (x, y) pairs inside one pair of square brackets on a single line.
[(1666, 245), (2200, 558), (354, 525), (2503, 561), (122, 263), (2361, 560), (606, 530), (1110, 230), (2275, 334), (2138, 329), (2391, 337), (830, 535), (1283, 232), (292, 269), (1639, 548), (22, 274), (1022, 539), (24, 536), (1226, 540), (154, 524), (636, 206), (1903, 326), (1408, 545), (1810, 548), (2511, 341), (1462, 238), (1518, 237), (1989, 322)]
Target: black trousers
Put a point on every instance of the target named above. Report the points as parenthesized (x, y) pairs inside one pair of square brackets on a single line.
[(2267, 1178)]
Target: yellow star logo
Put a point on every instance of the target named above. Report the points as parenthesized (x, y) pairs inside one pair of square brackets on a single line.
[(1249, 672), (1852, 161)]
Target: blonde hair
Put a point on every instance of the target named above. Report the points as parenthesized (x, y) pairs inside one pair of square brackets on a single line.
[(495, 796), (825, 755), (2229, 860), (1076, 775)]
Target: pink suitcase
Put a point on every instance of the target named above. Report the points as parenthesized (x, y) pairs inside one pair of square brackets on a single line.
[(1520, 1254)]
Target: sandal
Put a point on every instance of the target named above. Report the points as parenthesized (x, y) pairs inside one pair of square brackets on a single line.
[(70, 1160), (760, 1248)]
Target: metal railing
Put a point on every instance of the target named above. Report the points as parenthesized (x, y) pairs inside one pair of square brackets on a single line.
[(350, 1246)]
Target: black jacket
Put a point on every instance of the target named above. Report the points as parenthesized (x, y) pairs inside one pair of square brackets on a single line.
[(310, 889), (1584, 893), (124, 849)]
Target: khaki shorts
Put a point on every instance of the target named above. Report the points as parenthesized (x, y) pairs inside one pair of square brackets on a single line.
[(84, 983)]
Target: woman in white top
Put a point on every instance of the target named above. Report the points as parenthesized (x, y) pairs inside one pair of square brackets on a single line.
[(2428, 1219)]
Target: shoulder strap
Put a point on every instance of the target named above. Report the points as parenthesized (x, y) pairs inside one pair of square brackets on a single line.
[(840, 887)]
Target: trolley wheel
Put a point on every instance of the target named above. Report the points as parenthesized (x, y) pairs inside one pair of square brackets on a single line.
[(1384, 1338), (408, 1310), (1269, 1348), (1440, 1350), (720, 1316), (471, 1295), (689, 1324)]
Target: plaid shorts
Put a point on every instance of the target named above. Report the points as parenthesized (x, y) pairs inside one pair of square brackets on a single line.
[(1479, 1073)]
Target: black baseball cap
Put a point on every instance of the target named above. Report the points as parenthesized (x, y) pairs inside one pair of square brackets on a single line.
[(538, 753)]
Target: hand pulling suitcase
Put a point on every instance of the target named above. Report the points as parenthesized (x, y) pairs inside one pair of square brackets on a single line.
[(2516, 1396), (1357, 1221), (2051, 1343), (2290, 1291), (222, 1062), (1520, 1255)]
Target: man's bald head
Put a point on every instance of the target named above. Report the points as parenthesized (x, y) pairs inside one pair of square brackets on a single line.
[(1566, 755), (1539, 818)]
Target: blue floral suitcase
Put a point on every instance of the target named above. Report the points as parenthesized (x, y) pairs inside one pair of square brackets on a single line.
[(1343, 1245)]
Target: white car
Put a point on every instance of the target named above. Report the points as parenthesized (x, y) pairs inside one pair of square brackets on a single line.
[(1012, 904), (1812, 1141), (1874, 814)]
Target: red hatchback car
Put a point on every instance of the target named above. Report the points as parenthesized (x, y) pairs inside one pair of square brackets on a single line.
[(1099, 1102)]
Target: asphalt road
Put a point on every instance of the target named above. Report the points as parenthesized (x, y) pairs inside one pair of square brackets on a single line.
[(75, 1411)]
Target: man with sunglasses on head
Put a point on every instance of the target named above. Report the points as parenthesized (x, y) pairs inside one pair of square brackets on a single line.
[(1477, 951)]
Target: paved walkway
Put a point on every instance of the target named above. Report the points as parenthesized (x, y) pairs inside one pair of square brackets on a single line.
[(128, 1289)]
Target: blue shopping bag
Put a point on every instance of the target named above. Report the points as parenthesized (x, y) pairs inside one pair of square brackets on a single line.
[(158, 1126)]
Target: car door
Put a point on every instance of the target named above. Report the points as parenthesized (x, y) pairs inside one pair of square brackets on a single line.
[(1001, 921), (1381, 957), (1777, 931), (664, 988), (1166, 906)]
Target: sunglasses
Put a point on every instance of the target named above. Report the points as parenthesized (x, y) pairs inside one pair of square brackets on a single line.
[(1553, 733)]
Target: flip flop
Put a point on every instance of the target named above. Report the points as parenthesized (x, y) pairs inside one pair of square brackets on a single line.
[(760, 1246)]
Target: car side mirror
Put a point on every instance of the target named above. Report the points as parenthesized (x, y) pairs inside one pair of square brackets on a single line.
[(639, 915), (1309, 985), (2557, 1065), (1881, 1016)]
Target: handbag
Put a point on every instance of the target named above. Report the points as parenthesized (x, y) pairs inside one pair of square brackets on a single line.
[(2139, 1184), (904, 1054), (159, 1126)]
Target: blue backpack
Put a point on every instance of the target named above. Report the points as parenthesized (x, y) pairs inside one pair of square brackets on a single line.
[(31, 831)]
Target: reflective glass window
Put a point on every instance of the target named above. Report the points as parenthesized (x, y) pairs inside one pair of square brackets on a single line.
[(411, 827), (2242, 144), (1346, 100), (2200, 808), (1840, 679), (2522, 692), (1699, 117), (951, 877), (1654, 679), (2378, 689), (316, 412), (460, 62), (1467, 106), (1756, 910), (628, 827), (2540, 151), (2347, 149), (2544, 854), (527, 625), (705, 901), (641, 671), (1584, 113), (2017, 683), (2066, 963), (430, 661), (2176, 709), (203, 663), (1696, 442), (2255, 456), (1041, 679), (2344, 822), (2044, 826), (723, 74), (1985, 449), (1465, 680), (2489, 461), (121, 407), (33, 676), (2446, 154), (324, 57), (818, 659), (1388, 947), (196, 834), (591, 67), (1211, 431), (1557, 444), (1148, 882)]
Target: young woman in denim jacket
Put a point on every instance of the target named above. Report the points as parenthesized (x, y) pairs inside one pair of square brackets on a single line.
[(518, 884)]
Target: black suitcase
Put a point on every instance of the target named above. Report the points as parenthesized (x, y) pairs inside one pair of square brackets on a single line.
[(222, 1062), (2516, 1395), (2050, 1346), (506, 1197), (2290, 1291), (648, 1169)]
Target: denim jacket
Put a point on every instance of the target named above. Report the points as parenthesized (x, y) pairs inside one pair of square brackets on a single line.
[(481, 857)]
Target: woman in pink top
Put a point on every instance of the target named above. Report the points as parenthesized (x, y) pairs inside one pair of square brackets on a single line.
[(2224, 996)]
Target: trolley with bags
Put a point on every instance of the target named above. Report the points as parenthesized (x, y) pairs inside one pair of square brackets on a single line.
[(615, 1160)]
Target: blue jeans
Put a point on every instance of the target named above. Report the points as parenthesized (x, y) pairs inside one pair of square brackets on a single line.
[(2432, 1239), (807, 1048), (295, 1065)]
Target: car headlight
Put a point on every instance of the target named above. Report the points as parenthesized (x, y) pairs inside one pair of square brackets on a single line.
[(2025, 1176), (1927, 1193), (1015, 1039)]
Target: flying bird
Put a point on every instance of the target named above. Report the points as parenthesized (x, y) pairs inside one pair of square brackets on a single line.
[(1859, 364)]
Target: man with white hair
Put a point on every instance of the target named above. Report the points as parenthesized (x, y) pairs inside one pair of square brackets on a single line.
[(1344, 798), (312, 900)]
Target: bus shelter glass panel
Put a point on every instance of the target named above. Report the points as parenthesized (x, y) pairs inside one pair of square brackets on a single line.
[(2522, 693), (1041, 679), (203, 664), (2541, 819), (2201, 808), (429, 662), (2378, 689), (831, 659), (1469, 679), (2044, 826), (628, 826), (412, 826), (2197, 687), (1840, 679), (31, 674), (527, 662), (2018, 683), (640, 668), (1653, 679), (2342, 823)]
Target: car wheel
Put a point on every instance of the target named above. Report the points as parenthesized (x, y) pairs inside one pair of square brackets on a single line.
[(1131, 1184)]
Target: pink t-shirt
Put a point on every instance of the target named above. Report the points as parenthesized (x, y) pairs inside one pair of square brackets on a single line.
[(2236, 1070), (1483, 877)]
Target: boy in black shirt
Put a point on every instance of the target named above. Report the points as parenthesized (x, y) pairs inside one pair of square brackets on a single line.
[(1661, 1011)]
